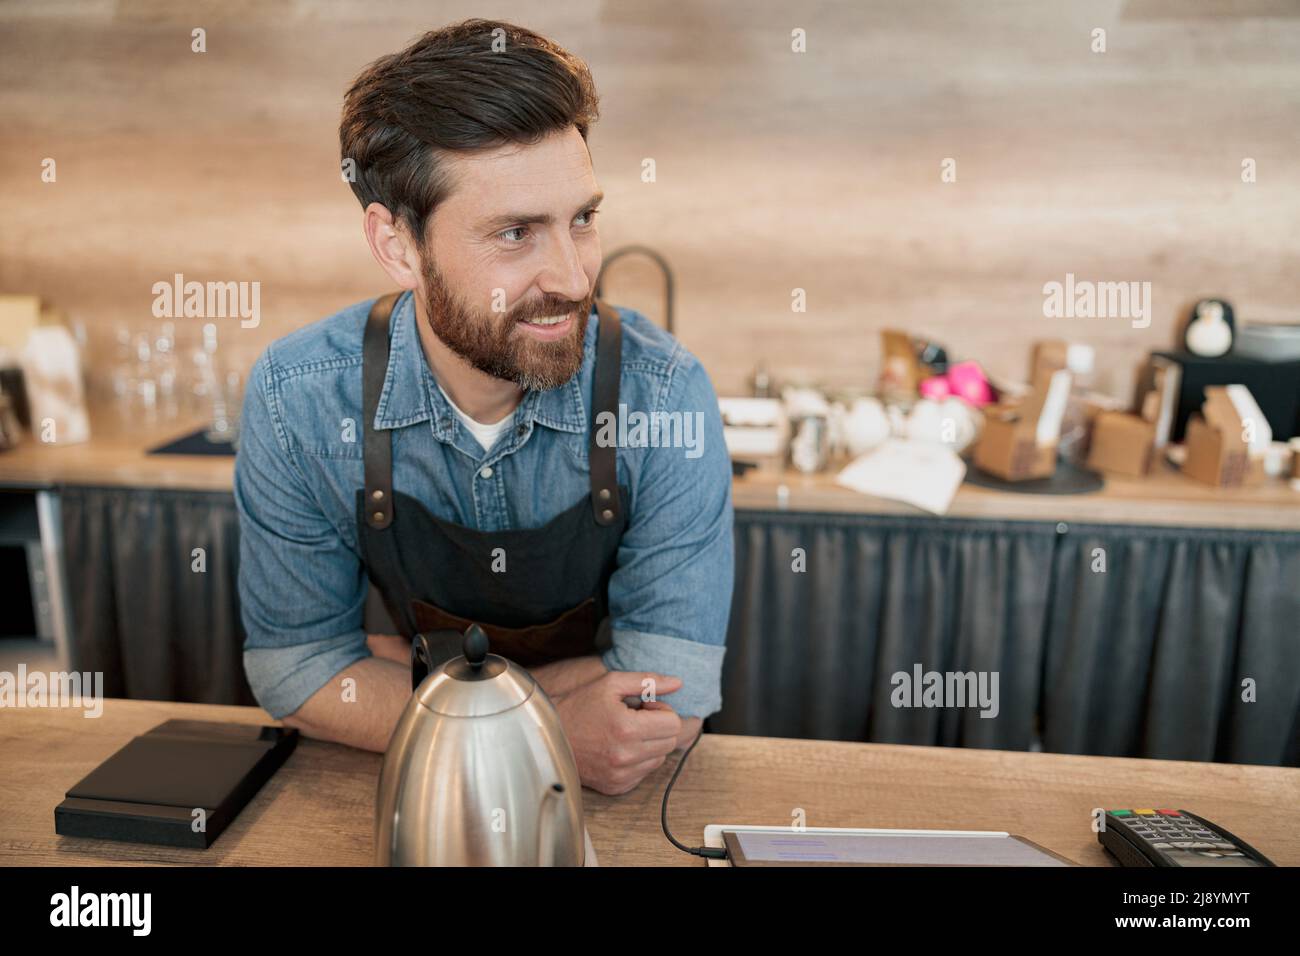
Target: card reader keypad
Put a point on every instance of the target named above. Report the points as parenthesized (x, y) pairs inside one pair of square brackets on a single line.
[(1170, 830)]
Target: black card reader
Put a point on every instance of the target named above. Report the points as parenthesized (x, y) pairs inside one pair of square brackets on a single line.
[(1150, 837)]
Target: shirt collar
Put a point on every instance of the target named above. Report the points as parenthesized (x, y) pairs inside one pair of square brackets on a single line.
[(411, 394)]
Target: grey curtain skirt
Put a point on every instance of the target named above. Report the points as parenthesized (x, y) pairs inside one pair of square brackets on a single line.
[(1178, 643)]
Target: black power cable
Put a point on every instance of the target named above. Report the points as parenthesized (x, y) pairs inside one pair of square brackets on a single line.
[(708, 852)]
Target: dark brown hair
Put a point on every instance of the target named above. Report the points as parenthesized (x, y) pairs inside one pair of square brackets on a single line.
[(451, 91)]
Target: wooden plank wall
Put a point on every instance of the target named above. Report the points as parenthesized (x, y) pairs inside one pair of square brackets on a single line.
[(775, 170)]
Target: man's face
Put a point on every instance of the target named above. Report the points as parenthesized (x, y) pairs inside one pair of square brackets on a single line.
[(515, 242)]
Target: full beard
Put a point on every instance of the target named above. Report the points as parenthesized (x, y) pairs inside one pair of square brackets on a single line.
[(493, 344)]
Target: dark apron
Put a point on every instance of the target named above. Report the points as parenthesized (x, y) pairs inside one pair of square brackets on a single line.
[(436, 577)]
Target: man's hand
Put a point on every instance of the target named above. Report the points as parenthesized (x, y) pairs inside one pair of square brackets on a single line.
[(616, 745), (691, 726)]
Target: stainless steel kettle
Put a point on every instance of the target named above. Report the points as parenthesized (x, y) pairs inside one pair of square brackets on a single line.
[(478, 771)]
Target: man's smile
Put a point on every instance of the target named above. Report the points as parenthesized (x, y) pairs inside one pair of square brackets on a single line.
[(548, 328)]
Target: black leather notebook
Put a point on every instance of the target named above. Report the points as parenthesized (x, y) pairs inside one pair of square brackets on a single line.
[(180, 784)]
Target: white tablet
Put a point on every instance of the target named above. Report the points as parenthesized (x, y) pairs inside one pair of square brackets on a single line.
[(843, 846)]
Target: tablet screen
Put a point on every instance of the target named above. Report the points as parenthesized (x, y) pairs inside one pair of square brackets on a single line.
[(886, 849)]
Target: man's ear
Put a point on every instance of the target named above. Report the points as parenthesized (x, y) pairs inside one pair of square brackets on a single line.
[(392, 246)]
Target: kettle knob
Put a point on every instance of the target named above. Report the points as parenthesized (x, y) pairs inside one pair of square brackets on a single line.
[(465, 654), (475, 647)]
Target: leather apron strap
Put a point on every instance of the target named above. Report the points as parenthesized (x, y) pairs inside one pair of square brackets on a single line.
[(377, 447), (602, 460)]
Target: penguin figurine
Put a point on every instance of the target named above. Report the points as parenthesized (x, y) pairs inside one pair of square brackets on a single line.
[(1210, 330)]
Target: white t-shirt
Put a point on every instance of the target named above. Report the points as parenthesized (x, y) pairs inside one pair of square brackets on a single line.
[(487, 435)]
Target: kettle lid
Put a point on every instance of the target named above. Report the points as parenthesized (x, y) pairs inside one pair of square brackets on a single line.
[(475, 683)]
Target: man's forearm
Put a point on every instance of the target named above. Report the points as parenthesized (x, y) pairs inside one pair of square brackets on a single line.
[(367, 718), (560, 677), (383, 686), (363, 718)]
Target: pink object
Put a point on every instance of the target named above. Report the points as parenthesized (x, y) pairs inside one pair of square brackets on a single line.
[(966, 380), (936, 387)]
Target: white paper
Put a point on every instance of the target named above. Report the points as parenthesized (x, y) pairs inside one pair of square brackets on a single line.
[(1049, 419), (1168, 399), (743, 442), (920, 473), (55, 391), (760, 412), (1249, 411)]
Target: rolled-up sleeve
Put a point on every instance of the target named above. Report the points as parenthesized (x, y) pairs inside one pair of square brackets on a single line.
[(670, 595), (301, 587)]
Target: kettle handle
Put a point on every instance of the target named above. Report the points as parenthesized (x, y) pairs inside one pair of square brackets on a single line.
[(430, 650)]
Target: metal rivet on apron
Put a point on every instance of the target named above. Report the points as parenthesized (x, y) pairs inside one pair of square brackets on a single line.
[(604, 494), (607, 514), (378, 495)]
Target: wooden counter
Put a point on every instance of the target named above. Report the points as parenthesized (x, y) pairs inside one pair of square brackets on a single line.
[(117, 456), (1165, 497), (318, 809)]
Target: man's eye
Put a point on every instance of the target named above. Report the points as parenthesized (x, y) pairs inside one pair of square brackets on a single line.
[(509, 235), (589, 216)]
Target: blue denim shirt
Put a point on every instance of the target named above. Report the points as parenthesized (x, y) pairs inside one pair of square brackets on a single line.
[(301, 583)]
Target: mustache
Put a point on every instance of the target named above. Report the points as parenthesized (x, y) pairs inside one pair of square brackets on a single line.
[(546, 307)]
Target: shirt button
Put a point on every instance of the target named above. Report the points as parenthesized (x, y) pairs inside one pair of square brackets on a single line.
[(486, 472)]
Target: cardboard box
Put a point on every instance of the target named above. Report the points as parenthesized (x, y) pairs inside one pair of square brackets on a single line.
[(19, 314), (901, 371), (1019, 441), (1008, 450), (1049, 355), (1212, 457), (1122, 443), (1218, 452)]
